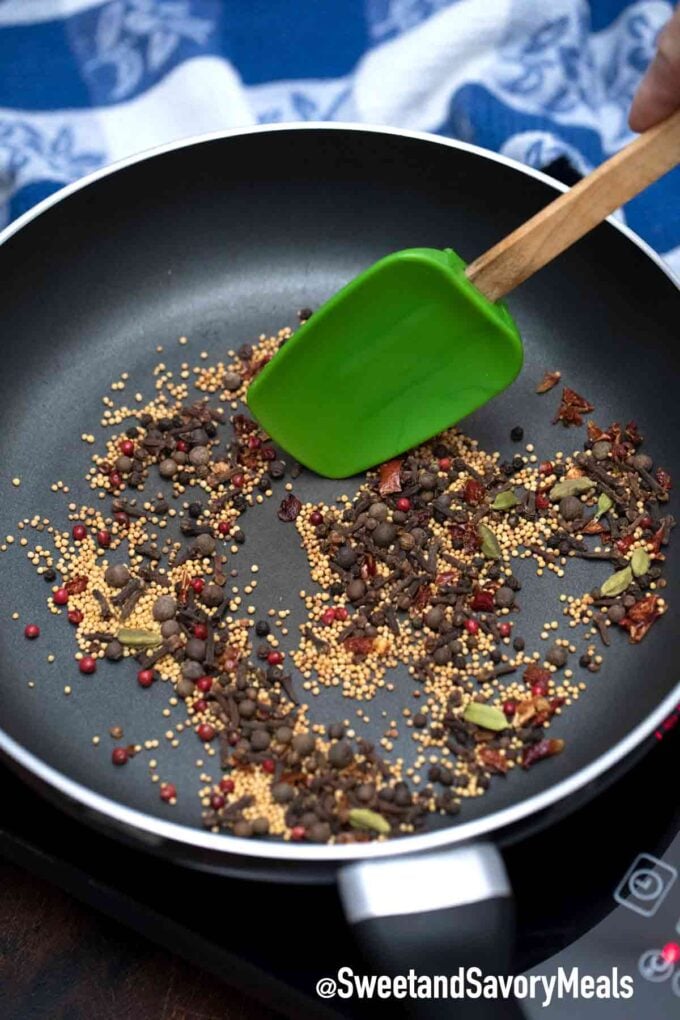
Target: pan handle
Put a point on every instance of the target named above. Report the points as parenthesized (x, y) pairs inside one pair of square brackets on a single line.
[(436, 914)]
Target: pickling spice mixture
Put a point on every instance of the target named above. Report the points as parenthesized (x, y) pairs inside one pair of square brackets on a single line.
[(415, 567)]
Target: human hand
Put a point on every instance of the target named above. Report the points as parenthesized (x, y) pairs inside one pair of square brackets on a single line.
[(658, 94)]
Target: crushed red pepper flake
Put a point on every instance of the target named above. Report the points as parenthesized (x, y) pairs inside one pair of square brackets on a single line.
[(77, 585), (542, 749), (474, 492), (641, 617), (534, 674), (493, 760), (572, 408), (664, 479), (289, 509), (362, 646), (390, 477), (549, 380)]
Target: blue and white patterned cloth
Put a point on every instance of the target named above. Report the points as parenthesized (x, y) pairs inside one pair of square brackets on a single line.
[(86, 82)]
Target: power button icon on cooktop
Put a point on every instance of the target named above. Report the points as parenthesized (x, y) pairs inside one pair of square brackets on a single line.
[(653, 966), (645, 885)]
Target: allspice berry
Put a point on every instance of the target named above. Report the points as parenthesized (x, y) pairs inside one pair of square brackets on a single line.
[(199, 456), (340, 754), (164, 608), (205, 545), (212, 596), (117, 576), (167, 468), (385, 534)]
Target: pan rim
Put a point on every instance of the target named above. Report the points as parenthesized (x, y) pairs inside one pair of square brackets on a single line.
[(157, 829)]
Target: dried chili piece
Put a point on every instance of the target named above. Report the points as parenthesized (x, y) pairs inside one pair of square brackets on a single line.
[(243, 424), (594, 527), (422, 596), (390, 477), (538, 752), (368, 567), (473, 493), (664, 479), (549, 380), (446, 577), (360, 646), (467, 535), (623, 544), (657, 540), (640, 617), (482, 601), (632, 433), (526, 709), (624, 440), (77, 585), (493, 760), (572, 408), (545, 710), (289, 509), (595, 433), (534, 674), (620, 450)]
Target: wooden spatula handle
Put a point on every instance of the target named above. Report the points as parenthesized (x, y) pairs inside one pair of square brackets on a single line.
[(573, 214)]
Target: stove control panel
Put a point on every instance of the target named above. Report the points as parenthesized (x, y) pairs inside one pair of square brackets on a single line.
[(639, 940)]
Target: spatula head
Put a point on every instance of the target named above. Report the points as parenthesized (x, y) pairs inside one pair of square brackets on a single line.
[(402, 352)]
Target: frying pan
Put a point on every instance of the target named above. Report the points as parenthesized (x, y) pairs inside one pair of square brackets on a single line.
[(222, 238)]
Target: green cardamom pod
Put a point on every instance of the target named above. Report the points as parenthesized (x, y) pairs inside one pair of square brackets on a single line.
[(134, 637), (490, 546), (571, 487), (504, 500), (617, 583), (640, 562), (486, 716), (604, 503), (364, 818)]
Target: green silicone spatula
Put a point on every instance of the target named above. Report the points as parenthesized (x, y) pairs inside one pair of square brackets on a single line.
[(419, 339)]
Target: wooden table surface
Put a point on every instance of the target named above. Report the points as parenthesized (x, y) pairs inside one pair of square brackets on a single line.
[(60, 960)]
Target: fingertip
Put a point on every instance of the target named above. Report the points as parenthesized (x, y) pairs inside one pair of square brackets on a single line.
[(645, 110), (636, 120)]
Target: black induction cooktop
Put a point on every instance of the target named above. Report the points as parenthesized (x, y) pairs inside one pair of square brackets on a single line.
[(596, 891)]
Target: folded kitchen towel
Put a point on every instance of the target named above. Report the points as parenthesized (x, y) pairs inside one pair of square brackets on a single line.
[(87, 82)]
